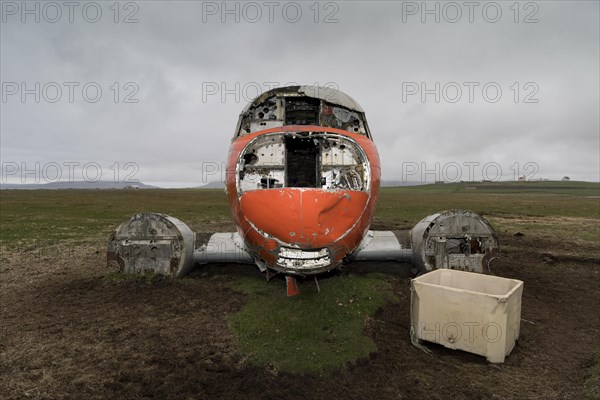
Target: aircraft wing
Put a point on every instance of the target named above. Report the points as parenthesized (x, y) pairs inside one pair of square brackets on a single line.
[(381, 246), (222, 248), (161, 244)]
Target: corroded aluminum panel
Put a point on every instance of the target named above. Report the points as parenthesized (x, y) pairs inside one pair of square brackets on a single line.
[(152, 243), (455, 239), (298, 260), (381, 246), (223, 248), (331, 95), (303, 105)]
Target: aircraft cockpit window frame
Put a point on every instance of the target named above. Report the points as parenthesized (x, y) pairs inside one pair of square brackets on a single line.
[(271, 113)]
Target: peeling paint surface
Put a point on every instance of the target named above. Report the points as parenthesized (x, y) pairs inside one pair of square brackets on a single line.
[(315, 217), (273, 211), (152, 243), (302, 182)]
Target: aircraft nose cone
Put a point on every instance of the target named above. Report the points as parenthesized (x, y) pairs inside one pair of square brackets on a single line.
[(309, 218)]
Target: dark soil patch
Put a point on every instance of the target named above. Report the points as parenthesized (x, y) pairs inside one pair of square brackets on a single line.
[(66, 333)]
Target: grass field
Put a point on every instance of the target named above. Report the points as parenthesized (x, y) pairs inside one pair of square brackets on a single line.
[(317, 332), (224, 328), (49, 216)]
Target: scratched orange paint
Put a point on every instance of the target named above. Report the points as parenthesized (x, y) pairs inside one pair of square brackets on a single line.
[(308, 218)]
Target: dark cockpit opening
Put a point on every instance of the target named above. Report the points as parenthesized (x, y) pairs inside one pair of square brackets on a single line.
[(302, 111), (302, 159)]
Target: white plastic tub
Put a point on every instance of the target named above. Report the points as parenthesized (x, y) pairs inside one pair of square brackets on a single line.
[(467, 311)]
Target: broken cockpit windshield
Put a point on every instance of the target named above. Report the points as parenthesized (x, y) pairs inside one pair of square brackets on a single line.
[(292, 109), (305, 160)]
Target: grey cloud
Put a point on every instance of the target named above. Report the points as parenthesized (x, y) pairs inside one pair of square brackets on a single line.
[(175, 128)]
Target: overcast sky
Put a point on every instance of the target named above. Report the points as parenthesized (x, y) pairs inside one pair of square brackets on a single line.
[(152, 90)]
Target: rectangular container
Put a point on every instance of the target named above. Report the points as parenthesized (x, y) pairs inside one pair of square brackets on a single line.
[(467, 311)]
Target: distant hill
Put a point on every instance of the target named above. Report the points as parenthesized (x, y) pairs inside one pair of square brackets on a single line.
[(212, 185), (77, 185), (385, 183)]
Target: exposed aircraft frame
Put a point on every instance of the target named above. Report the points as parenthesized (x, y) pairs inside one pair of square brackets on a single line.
[(302, 183)]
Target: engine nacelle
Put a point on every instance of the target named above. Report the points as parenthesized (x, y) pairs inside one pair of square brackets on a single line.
[(152, 243), (456, 239)]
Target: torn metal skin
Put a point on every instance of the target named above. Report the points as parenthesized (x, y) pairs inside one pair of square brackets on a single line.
[(152, 243), (327, 204), (302, 182), (456, 239), (302, 178)]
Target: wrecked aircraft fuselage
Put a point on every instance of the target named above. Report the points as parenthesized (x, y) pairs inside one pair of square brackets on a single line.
[(302, 178), (302, 183)]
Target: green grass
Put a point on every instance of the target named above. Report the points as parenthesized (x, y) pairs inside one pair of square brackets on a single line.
[(312, 332), (405, 206), (43, 217), (547, 187)]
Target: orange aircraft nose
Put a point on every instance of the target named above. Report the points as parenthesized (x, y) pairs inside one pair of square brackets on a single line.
[(307, 217)]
